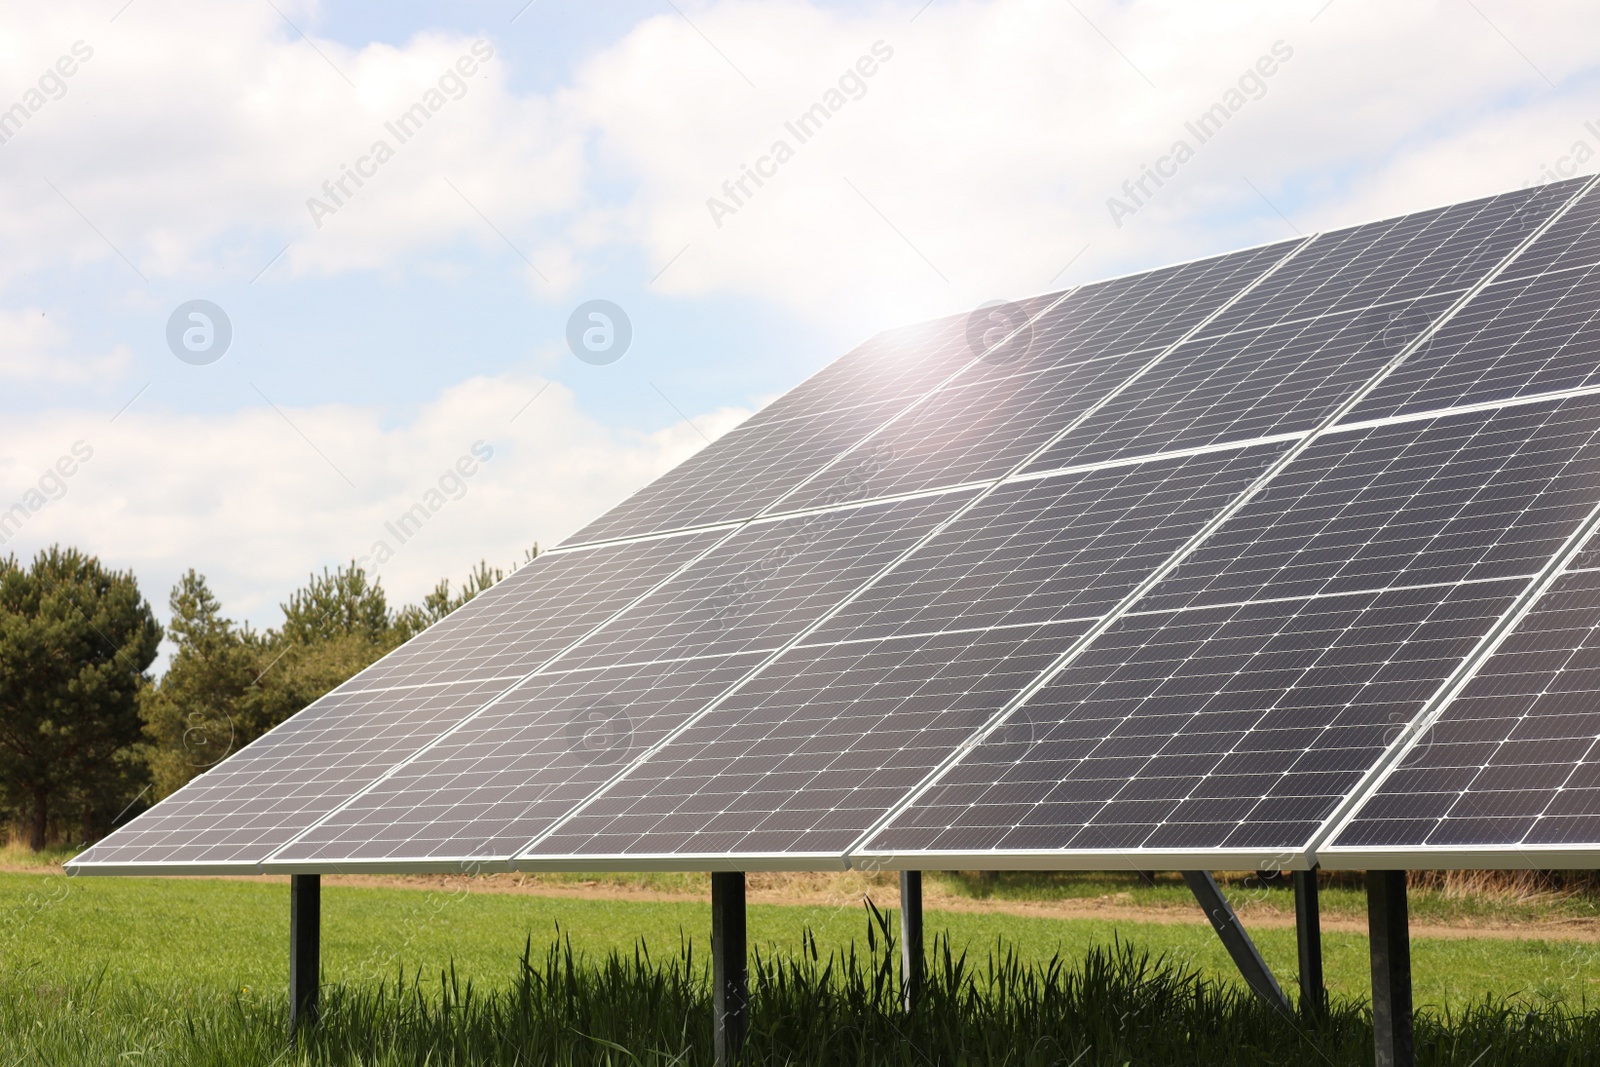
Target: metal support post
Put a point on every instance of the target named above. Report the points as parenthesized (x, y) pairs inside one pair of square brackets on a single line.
[(1235, 940), (1308, 937), (911, 959), (305, 935), (730, 977), (1390, 937)]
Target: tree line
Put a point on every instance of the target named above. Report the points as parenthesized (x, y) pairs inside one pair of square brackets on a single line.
[(88, 736)]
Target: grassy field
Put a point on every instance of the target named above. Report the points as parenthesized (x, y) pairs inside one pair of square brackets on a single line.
[(97, 971), (232, 935), (192, 971)]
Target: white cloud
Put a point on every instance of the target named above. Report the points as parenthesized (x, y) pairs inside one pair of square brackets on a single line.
[(193, 137), (994, 137), (976, 164), (244, 498), (35, 348)]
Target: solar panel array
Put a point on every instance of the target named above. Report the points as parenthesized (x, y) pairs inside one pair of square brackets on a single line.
[(1268, 558)]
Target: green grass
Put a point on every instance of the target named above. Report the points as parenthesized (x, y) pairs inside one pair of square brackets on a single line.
[(1113, 1006), (218, 934)]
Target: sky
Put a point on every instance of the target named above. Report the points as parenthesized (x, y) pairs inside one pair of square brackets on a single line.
[(274, 271)]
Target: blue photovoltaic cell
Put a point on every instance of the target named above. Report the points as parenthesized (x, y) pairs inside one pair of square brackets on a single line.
[(1252, 383), (271, 790), (1399, 260), (1465, 497), (1532, 331), (1574, 239), (740, 473), (531, 755), (807, 755), (1514, 759), (1235, 727), (1292, 349), (1320, 618), (1522, 337), (1051, 549), (1147, 312), (767, 583), (540, 609)]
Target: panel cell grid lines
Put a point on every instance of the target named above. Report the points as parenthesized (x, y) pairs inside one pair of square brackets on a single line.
[(900, 676), (740, 473), (1512, 765), (1049, 549), (1320, 618), (236, 814), (488, 789), (1143, 312), (1293, 348), (239, 811), (1232, 729), (805, 757), (1037, 379), (1257, 382), (543, 607), (1254, 559), (1399, 260), (1574, 239), (1462, 497), (1520, 337), (766, 583), (538, 751)]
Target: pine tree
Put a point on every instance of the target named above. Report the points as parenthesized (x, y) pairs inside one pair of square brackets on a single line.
[(75, 642)]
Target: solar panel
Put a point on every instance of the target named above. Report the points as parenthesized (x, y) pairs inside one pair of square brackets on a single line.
[(1574, 239), (623, 688), (1249, 384), (1508, 772), (908, 670), (647, 798), (1233, 730), (1046, 549), (519, 623), (1285, 356), (1396, 261), (232, 816), (1150, 311), (1321, 615), (1169, 569), (237, 812), (335, 823), (1530, 335), (736, 477), (484, 791), (804, 758), (1454, 498), (768, 582)]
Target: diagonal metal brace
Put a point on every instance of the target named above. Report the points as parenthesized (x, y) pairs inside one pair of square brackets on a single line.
[(1235, 940)]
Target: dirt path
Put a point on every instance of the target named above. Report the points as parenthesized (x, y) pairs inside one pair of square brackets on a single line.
[(1105, 909), (850, 889)]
